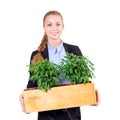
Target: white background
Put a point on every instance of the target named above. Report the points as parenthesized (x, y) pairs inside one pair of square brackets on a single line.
[(93, 25)]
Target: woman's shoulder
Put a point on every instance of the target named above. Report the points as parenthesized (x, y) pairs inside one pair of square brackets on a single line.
[(34, 52), (67, 44), (72, 48)]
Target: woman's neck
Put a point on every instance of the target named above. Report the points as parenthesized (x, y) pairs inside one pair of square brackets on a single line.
[(54, 43)]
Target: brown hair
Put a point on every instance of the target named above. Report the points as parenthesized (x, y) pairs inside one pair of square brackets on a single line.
[(42, 46)]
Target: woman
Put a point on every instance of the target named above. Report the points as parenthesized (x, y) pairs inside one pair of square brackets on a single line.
[(53, 48)]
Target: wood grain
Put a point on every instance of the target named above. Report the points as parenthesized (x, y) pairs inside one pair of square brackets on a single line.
[(59, 97)]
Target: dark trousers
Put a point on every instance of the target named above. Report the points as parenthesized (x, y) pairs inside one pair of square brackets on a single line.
[(63, 114)]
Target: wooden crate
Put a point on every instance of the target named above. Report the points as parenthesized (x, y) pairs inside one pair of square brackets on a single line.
[(59, 97)]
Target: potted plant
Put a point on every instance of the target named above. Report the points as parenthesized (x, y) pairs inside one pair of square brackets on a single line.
[(78, 69), (45, 73)]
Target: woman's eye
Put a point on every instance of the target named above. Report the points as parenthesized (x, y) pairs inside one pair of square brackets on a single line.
[(58, 24), (49, 25)]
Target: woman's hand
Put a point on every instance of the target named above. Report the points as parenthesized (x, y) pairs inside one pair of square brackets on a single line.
[(21, 98), (97, 98)]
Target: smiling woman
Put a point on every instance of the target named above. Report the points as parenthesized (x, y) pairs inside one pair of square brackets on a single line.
[(53, 26), (54, 49)]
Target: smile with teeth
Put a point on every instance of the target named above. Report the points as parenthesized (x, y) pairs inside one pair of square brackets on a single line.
[(54, 33)]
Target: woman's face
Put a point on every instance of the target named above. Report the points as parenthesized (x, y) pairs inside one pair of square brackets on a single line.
[(53, 27)]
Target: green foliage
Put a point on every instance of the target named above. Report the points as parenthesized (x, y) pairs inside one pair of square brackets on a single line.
[(45, 73), (78, 69)]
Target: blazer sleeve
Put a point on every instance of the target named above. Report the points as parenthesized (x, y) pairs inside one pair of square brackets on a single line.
[(30, 83)]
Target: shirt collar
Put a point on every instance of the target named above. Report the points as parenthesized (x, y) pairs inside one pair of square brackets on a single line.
[(54, 49)]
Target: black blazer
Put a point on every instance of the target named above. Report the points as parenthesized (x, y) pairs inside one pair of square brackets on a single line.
[(68, 48)]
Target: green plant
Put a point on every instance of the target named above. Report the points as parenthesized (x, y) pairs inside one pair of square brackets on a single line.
[(78, 69), (45, 73)]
